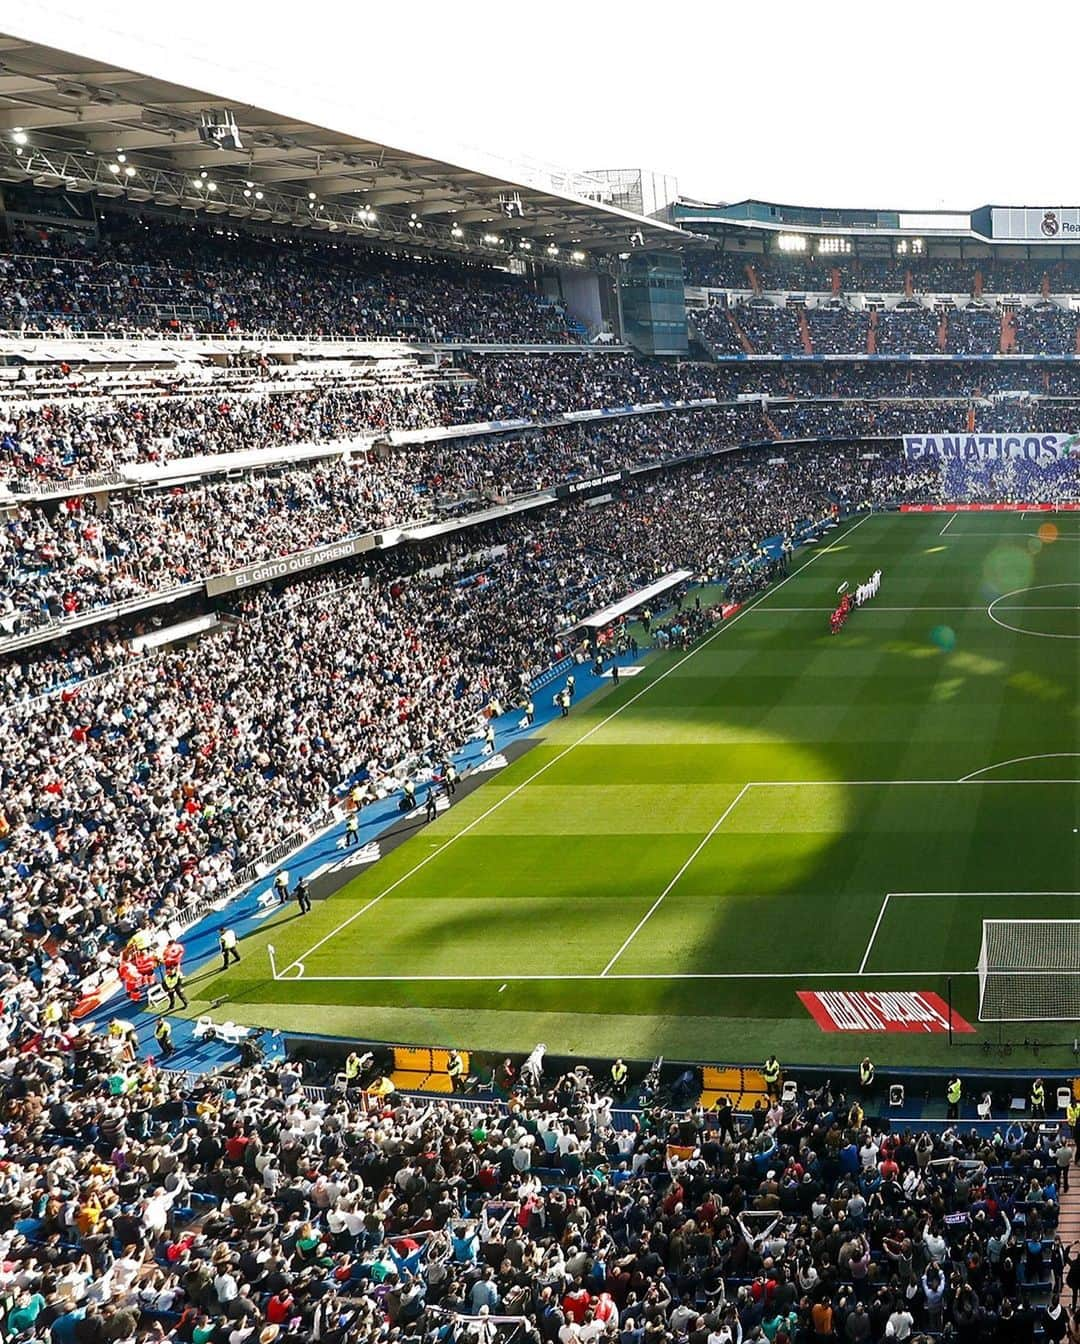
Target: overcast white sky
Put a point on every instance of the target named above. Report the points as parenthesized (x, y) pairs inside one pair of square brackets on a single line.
[(842, 102)]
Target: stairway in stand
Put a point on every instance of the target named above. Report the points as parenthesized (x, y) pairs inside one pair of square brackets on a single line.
[(1007, 342), (740, 335), (804, 332), (1069, 1210)]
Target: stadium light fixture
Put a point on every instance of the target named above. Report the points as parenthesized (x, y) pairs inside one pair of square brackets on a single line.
[(311, 195), (19, 136), (577, 256), (211, 186), (247, 191), (258, 195), (456, 231), (114, 167), (129, 171), (553, 251), (791, 242), (204, 174), (525, 245)]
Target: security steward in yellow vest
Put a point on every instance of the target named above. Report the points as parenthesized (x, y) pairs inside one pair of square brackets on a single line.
[(163, 1036), (172, 981), (866, 1075), (1038, 1100), (1072, 1115), (771, 1070), (619, 1075), (953, 1093), (455, 1067), (352, 1070)]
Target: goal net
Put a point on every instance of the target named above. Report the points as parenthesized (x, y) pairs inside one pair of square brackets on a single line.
[(1029, 970)]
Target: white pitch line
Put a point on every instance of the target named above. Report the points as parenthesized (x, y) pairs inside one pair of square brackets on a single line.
[(660, 899), (877, 924), (872, 606), (880, 783), (1016, 760), (952, 519), (1006, 536), (726, 625), (814, 975)]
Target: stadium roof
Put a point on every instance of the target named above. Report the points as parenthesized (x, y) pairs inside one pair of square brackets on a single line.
[(66, 115)]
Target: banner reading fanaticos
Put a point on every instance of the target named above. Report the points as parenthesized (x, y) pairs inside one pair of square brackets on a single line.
[(1040, 449)]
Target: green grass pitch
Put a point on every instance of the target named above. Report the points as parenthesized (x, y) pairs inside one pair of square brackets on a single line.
[(779, 810)]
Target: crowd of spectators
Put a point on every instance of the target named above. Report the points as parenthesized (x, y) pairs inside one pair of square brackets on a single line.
[(715, 327), (91, 431), (141, 1206), (881, 275), (901, 331), (973, 331), (199, 278), (1046, 329), (836, 330), (62, 559), (955, 379), (771, 330)]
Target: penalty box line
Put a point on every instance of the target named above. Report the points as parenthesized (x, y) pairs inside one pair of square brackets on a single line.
[(768, 592), (606, 973), (890, 895), (774, 784)]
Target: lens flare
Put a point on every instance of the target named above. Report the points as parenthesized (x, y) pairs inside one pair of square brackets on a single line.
[(1008, 568), (944, 636), (1047, 533)]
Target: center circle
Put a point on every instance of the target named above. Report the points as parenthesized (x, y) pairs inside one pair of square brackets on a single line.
[(1002, 604)]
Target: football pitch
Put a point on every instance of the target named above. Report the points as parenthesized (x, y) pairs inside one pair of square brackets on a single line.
[(776, 810)]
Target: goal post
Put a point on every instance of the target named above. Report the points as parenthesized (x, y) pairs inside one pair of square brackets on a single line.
[(1029, 970)]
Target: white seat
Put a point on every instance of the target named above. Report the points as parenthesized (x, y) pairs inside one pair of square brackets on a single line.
[(1064, 1098), (204, 1026), (790, 1091), (232, 1033), (155, 995)]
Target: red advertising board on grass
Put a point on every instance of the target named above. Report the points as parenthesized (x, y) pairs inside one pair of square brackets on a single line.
[(880, 1010)]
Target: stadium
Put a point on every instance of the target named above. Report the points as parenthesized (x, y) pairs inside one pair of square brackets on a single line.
[(541, 749)]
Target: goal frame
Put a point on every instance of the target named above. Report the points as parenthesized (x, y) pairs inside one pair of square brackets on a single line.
[(991, 969)]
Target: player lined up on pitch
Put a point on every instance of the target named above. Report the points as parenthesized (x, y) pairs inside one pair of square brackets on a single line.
[(863, 593)]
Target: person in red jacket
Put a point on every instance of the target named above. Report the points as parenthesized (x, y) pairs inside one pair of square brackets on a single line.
[(575, 1303), (279, 1309)]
